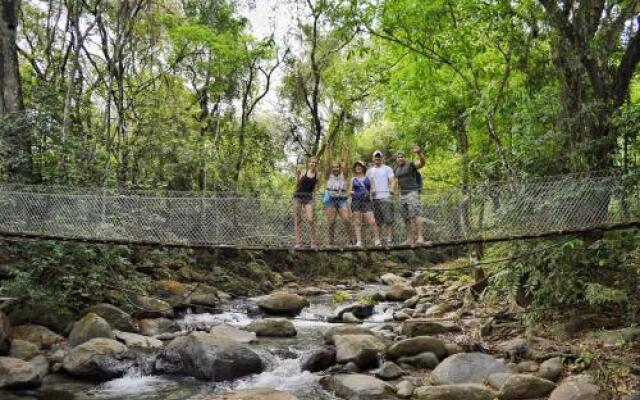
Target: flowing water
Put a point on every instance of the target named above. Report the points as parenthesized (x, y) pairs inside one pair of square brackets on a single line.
[(281, 355)]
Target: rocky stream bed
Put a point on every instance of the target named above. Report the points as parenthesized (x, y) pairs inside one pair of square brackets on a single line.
[(399, 338)]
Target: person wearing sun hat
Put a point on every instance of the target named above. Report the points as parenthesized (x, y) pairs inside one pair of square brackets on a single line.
[(381, 177), (410, 208), (361, 204)]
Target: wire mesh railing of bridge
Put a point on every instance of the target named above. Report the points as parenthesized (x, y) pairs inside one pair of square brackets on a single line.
[(491, 211)]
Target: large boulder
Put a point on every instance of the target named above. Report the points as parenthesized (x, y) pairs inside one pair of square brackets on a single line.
[(253, 394), (41, 336), (551, 369), (576, 388), (319, 359), (392, 279), (361, 349), (98, 358), (345, 330), (467, 368), (275, 327), (282, 303), (400, 292), (425, 327), (135, 341), (358, 310), (89, 327), (157, 326), (5, 334), (357, 386), (426, 360), (23, 350), (150, 307), (208, 357), (420, 344), (455, 392), (520, 386), (116, 318), (239, 335), (17, 374)]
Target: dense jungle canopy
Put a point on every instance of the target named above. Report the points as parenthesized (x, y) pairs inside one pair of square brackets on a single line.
[(184, 95)]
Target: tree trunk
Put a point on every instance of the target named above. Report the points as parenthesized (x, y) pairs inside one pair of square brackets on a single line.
[(18, 163)]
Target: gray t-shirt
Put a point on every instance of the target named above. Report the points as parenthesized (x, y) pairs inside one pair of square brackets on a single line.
[(406, 175)]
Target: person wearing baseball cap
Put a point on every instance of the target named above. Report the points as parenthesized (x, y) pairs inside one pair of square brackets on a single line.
[(410, 207), (381, 177)]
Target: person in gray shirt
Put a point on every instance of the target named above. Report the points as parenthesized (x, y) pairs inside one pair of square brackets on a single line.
[(407, 183)]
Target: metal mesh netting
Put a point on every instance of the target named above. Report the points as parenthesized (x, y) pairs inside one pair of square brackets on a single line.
[(512, 209)]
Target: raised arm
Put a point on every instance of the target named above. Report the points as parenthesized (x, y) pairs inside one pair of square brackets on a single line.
[(421, 161), (327, 161), (345, 159)]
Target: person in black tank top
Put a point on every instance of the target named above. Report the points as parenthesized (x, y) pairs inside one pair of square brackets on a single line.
[(306, 183)]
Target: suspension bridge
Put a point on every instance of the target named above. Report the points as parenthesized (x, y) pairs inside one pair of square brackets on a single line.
[(489, 212)]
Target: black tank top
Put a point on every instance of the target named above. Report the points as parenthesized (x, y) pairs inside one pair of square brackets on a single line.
[(306, 184)]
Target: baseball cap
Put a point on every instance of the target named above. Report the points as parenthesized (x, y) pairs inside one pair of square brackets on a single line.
[(378, 153)]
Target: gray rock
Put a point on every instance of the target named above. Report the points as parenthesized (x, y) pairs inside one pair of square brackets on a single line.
[(98, 358), (437, 310), (312, 291), (5, 334), (17, 374), (23, 350), (420, 344), (425, 327), (361, 349), (467, 368), (345, 330), (253, 394), (400, 292), (520, 386), (426, 360), (551, 369), (453, 348), (239, 335), (527, 366), (356, 386), (150, 307), (88, 327), (576, 388), (392, 279), (400, 316), (208, 357), (116, 318), (319, 360), (41, 364), (351, 368), (274, 327), (138, 342), (455, 392), (282, 303), (39, 335), (389, 371), (360, 311), (157, 326), (405, 389)]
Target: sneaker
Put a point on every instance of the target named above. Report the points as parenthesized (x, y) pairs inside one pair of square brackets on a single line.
[(420, 241), (358, 244), (377, 243), (389, 242), (314, 245), (298, 246)]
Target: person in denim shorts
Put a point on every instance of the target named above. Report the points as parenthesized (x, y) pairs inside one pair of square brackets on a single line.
[(336, 195), (361, 203), (410, 207)]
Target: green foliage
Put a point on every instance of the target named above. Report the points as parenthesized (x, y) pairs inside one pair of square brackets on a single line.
[(340, 296), (63, 278)]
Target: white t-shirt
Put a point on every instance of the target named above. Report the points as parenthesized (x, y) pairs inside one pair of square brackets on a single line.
[(381, 176)]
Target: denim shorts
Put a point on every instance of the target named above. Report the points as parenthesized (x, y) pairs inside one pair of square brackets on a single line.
[(335, 202)]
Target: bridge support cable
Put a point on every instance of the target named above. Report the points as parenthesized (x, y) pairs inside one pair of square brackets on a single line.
[(491, 212)]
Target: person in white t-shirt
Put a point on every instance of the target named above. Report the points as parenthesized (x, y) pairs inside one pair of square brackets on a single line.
[(381, 177)]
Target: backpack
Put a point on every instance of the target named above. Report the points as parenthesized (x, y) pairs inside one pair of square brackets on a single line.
[(419, 181)]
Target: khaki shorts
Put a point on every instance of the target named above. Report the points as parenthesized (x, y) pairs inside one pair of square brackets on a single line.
[(410, 206)]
